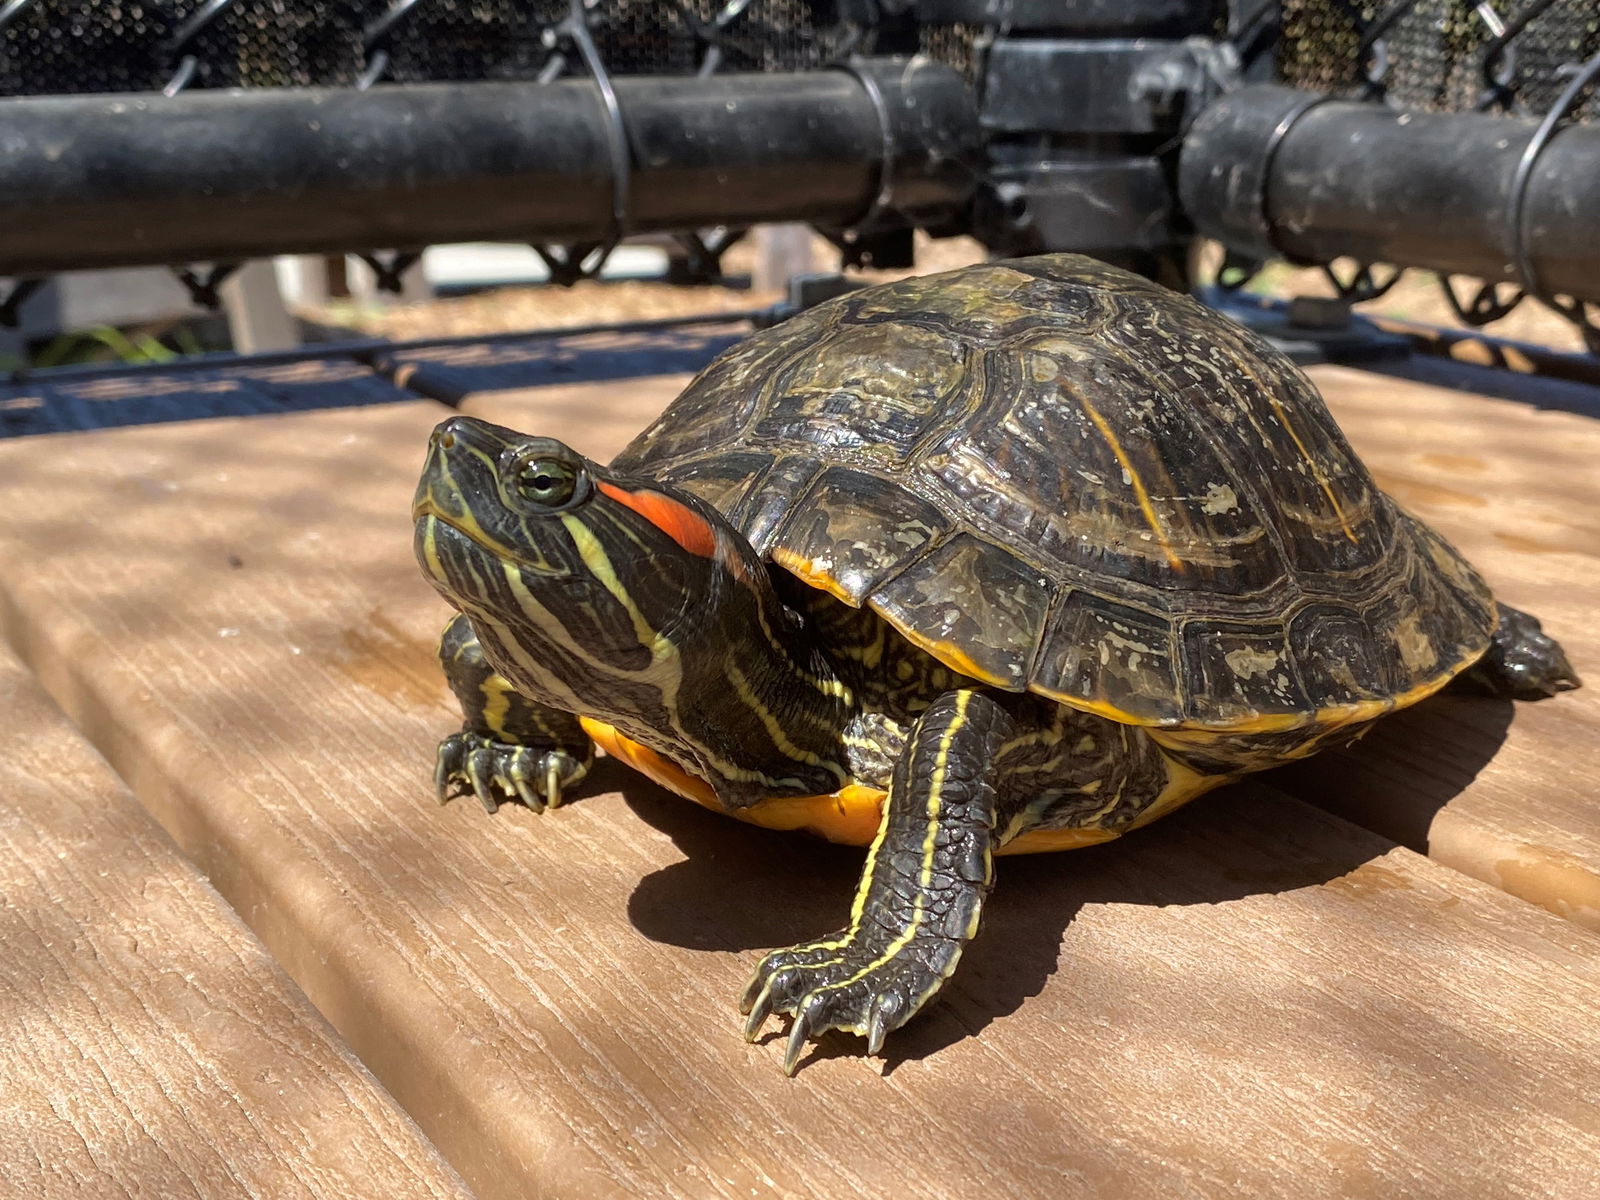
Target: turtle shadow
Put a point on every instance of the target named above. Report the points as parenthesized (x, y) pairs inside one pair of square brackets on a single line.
[(743, 889), (1395, 780)]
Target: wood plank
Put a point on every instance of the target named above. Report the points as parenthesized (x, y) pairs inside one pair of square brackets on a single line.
[(1249, 998), (1502, 792), (1527, 477), (153, 1048)]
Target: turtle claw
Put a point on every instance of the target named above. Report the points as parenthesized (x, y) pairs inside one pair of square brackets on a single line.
[(441, 778), (839, 984), (481, 774), (552, 777), (878, 1024), (495, 771), (525, 790), (800, 1033), (758, 1011)]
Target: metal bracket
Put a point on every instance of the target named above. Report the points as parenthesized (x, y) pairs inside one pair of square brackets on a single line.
[(1487, 303), (1363, 285), (1190, 74), (1237, 270), (203, 287), (703, 251), (11, 304), (387, 271), (570, 263)]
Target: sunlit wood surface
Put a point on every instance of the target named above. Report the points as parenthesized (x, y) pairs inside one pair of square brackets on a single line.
[(152, 1046), (1327, 982)]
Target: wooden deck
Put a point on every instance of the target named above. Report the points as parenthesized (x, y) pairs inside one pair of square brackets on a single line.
[(1377, 974)]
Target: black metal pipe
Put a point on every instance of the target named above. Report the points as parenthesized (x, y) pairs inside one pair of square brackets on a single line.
[(1272, 171), (95, 181)]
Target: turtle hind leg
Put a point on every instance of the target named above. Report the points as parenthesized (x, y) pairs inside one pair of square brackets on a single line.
[(920, 895), (1522, 661)]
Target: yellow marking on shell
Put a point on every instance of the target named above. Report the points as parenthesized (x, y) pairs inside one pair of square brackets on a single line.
[(950, 654), (496, 703), (808, 573), (1137, 484), (852, 816), (1333, 714), (1047, 841), (1316, 471)]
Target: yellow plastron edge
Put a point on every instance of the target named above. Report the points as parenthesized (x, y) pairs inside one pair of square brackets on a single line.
[(849, 816)]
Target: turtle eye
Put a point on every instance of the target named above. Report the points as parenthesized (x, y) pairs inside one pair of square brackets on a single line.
[(546, 481)]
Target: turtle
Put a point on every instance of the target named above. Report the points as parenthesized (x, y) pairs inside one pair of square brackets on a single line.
[(1012, 558)]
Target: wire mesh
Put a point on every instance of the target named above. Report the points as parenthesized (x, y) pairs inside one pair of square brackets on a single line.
[(57, 47), (1442, 55)]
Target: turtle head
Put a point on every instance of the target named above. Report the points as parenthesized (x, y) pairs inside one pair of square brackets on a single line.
[(630, 602), (563, 566)]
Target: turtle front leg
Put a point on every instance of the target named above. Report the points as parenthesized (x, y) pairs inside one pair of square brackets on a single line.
[(920, 896), (509, 747), (1523, 662)]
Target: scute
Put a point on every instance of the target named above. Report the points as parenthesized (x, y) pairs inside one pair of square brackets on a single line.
[(852, 532), (977, 607), (1057, 476)]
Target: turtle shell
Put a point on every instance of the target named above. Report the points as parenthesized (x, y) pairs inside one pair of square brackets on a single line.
[(1056, 476)]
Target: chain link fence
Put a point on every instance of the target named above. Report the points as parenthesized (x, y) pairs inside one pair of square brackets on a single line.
[(60, 47), (1536, 61)]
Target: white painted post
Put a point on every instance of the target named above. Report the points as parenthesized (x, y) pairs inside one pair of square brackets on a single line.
[(781, 251), (257, 317)]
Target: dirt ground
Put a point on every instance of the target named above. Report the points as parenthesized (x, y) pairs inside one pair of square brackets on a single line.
[(1416, 297)]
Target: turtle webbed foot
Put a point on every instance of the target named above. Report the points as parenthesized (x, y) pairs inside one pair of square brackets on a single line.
[(846, 984), (495, 771)]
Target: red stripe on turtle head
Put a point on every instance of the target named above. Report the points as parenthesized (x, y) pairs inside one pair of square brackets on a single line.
[(678, 521)]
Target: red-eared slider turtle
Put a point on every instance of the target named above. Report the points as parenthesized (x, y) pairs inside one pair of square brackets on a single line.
[(1017, 557)]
